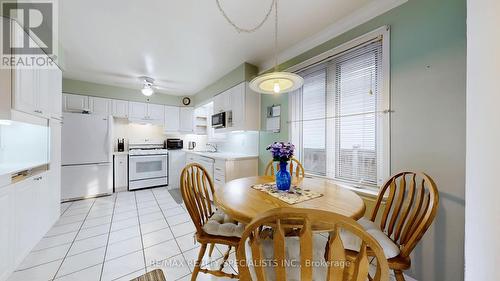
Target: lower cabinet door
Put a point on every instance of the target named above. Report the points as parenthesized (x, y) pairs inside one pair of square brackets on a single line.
[(121, 171), (6, 235)]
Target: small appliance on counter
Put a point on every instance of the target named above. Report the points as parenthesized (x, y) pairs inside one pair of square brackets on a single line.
[(191, 145), (174, 144), (121, 145)]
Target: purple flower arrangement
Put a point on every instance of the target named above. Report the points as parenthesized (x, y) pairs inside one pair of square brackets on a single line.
[(281, 151)]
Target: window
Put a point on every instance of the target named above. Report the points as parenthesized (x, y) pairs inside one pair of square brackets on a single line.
[(338, 119)]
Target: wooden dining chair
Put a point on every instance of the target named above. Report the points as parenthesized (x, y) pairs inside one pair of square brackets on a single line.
[(296, 168), (212, 225), (297, 257), (411, 203)]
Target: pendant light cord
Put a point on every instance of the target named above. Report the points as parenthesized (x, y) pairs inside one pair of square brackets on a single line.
[(275, 35), (242, 29)]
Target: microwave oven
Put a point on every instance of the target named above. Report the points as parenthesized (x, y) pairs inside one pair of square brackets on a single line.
[(222, 120)]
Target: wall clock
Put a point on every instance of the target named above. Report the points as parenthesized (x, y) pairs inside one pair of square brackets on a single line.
[(186, 101)]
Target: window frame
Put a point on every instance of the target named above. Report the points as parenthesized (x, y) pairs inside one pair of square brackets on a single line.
[(383, 103)]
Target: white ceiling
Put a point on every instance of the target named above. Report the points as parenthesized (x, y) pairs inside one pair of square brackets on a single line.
[(188, 44)]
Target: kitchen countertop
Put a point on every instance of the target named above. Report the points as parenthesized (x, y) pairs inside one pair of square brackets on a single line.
[(9, 169), (223, 155)]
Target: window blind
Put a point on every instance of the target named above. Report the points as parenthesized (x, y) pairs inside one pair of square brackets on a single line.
[(334, 118)]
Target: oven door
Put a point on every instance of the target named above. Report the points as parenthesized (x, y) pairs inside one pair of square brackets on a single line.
[(147, 167)]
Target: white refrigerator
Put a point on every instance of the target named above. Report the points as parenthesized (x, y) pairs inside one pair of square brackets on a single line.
[(87, 157)]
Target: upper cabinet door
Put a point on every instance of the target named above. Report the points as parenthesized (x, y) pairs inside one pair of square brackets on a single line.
[(75, 103), (100, 106), (186, 119), (55, 93), (137, 110), (24, 96), (171, 118), (156, 112), (219, 103), (237, 102), (120, 108)]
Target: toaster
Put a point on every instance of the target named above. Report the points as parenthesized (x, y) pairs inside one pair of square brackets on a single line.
[(174, 144)]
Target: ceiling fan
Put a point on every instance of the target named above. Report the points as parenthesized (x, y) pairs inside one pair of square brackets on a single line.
[(149, 85)]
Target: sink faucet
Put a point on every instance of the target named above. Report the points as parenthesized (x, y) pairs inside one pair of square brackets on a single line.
[(211, 147)]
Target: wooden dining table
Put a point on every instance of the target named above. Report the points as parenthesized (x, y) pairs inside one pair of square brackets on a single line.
[(243, 203)]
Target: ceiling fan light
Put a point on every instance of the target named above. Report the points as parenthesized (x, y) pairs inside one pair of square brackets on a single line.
[(147, 91), (276, 82)]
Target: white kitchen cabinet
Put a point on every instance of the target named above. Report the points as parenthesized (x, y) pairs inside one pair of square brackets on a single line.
[(222, 101), (156, 113), (75, 103), (25, 80), (238, 108), (120, 108), (29, 215), (24, 90), (172, 118), (100, 106), (176, 162), (30, 87), (120, 166), (244, 105), (6, 233), (55, 165), (55, 93), (186, 119), (27, 212), (146, 113), (137, 110)]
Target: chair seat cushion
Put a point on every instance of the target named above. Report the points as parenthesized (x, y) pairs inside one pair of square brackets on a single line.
[(352, 242), (220, 224)]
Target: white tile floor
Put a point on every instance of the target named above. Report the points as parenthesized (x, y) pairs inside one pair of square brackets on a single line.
[(118, 238)]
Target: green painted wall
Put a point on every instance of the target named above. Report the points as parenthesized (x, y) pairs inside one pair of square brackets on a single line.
[(113, 92), (428, 72), (266, 138), (244, 72)]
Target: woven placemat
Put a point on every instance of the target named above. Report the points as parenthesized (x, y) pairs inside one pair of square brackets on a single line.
[(293, 196)]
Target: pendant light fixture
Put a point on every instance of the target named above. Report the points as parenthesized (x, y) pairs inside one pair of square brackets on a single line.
[(275, 82)]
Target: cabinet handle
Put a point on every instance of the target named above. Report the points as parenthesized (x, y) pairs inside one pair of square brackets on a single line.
[(37, 178)]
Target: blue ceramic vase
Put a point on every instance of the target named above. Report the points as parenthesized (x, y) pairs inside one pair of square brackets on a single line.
[(283, 177)]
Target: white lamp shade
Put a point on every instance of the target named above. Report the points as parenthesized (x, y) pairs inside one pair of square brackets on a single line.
[(276, 82), (147, 91)]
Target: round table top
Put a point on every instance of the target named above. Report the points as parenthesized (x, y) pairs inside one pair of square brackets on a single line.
[(243, 203)]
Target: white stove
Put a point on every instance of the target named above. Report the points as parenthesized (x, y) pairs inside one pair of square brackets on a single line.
[(151, 151), (148, 165)]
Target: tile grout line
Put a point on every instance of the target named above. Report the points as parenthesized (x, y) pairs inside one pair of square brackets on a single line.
[(65, 210), (173, 235), (107, 241), (140, 232), (74, 239)]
